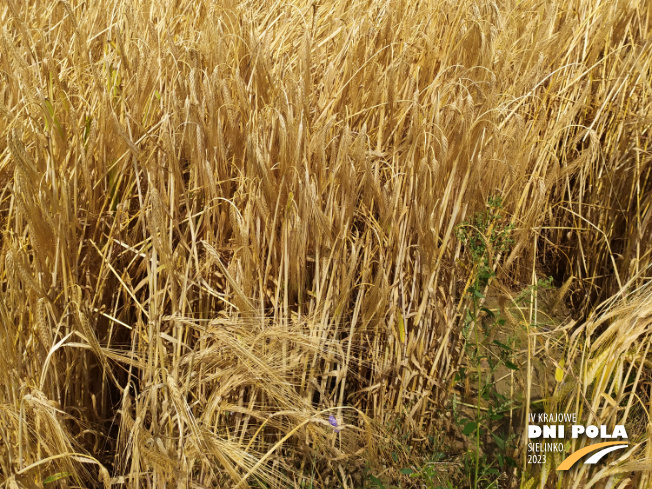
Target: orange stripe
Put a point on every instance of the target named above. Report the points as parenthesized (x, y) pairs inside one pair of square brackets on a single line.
[(575, 456)]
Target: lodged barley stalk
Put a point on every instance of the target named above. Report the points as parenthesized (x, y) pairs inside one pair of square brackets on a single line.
[(228, 224)]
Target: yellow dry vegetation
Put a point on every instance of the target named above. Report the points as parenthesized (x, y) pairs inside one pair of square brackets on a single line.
[(228, 253)]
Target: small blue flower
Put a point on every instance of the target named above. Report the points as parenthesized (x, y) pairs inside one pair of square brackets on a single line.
[(333, 422)]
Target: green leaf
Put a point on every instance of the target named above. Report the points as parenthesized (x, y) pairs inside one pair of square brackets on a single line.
[(469, 428), (500, 442), (50, 118), (502, 345), (406, 471), (470, 317), (376, 482), (511, 365), (460, 374), (488, 312), (56, 477), (87, 129), (500, 396)]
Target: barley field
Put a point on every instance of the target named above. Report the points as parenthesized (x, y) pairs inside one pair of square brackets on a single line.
[(323, 243)]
